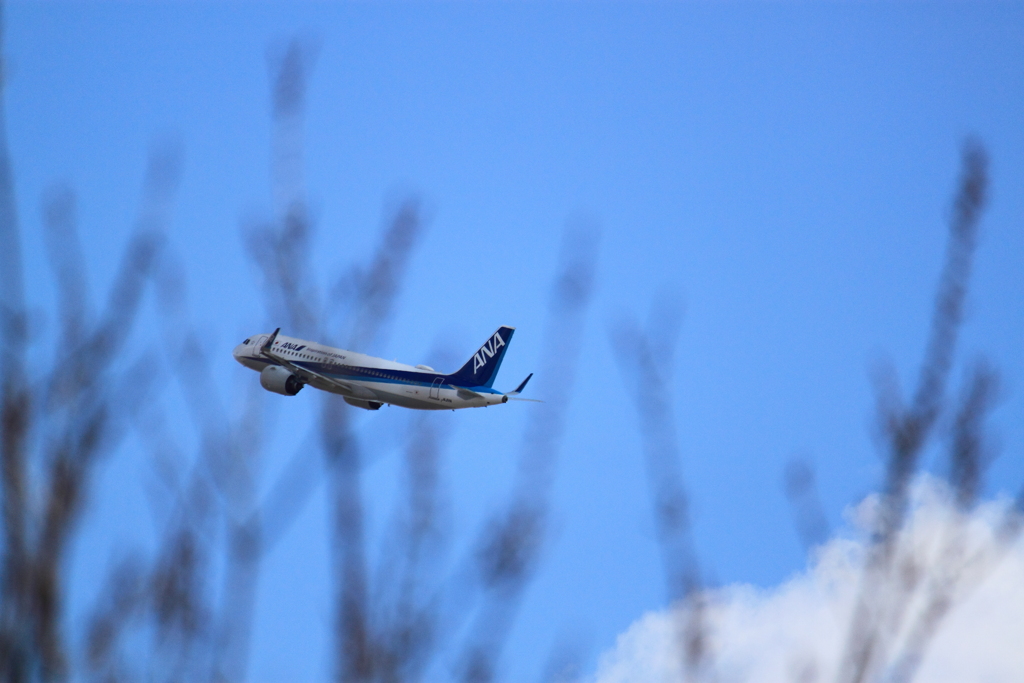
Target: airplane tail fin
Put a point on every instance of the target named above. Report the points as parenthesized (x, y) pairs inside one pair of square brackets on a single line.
[(482, 368)]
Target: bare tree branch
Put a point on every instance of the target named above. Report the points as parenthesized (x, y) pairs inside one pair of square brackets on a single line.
[(882, 603), (645, 361)]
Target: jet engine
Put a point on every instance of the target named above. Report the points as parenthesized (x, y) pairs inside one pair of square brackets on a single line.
[(280, 381)]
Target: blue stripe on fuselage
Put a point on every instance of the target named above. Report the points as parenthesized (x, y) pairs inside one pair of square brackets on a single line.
[(365, 374)]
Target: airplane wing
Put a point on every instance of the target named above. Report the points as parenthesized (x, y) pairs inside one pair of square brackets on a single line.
[(308, 376)]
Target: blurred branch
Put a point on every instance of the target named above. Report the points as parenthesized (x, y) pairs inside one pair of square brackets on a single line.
[(67, 261), (968, 456), (956, 570), (377, 287), (16, 632), (885, 590), (377, 295), (78, 421), (645, 361), (406, 616), (289, 67), (808, 512), (909, 431), (281, 249)]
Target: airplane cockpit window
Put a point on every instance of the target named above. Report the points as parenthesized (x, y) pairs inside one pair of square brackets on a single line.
[(245, 342)]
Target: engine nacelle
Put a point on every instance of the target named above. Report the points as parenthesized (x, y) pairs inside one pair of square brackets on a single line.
[(280, 381)]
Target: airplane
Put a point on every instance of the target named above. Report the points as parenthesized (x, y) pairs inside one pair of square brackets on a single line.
[(287, 364)]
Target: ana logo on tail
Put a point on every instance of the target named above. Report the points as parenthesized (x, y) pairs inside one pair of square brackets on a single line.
[(488, 350)]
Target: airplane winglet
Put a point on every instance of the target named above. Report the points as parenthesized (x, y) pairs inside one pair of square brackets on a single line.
[(520, 388), (269, 344)]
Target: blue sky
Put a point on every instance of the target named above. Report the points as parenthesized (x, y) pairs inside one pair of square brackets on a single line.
[(785, 169)]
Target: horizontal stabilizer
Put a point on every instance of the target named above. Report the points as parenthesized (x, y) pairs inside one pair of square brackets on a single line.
[(520, 388)]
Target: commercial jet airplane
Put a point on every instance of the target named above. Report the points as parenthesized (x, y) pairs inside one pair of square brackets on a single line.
[(286, 365)]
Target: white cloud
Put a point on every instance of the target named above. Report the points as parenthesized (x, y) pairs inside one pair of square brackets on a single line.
[(798, 631)]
